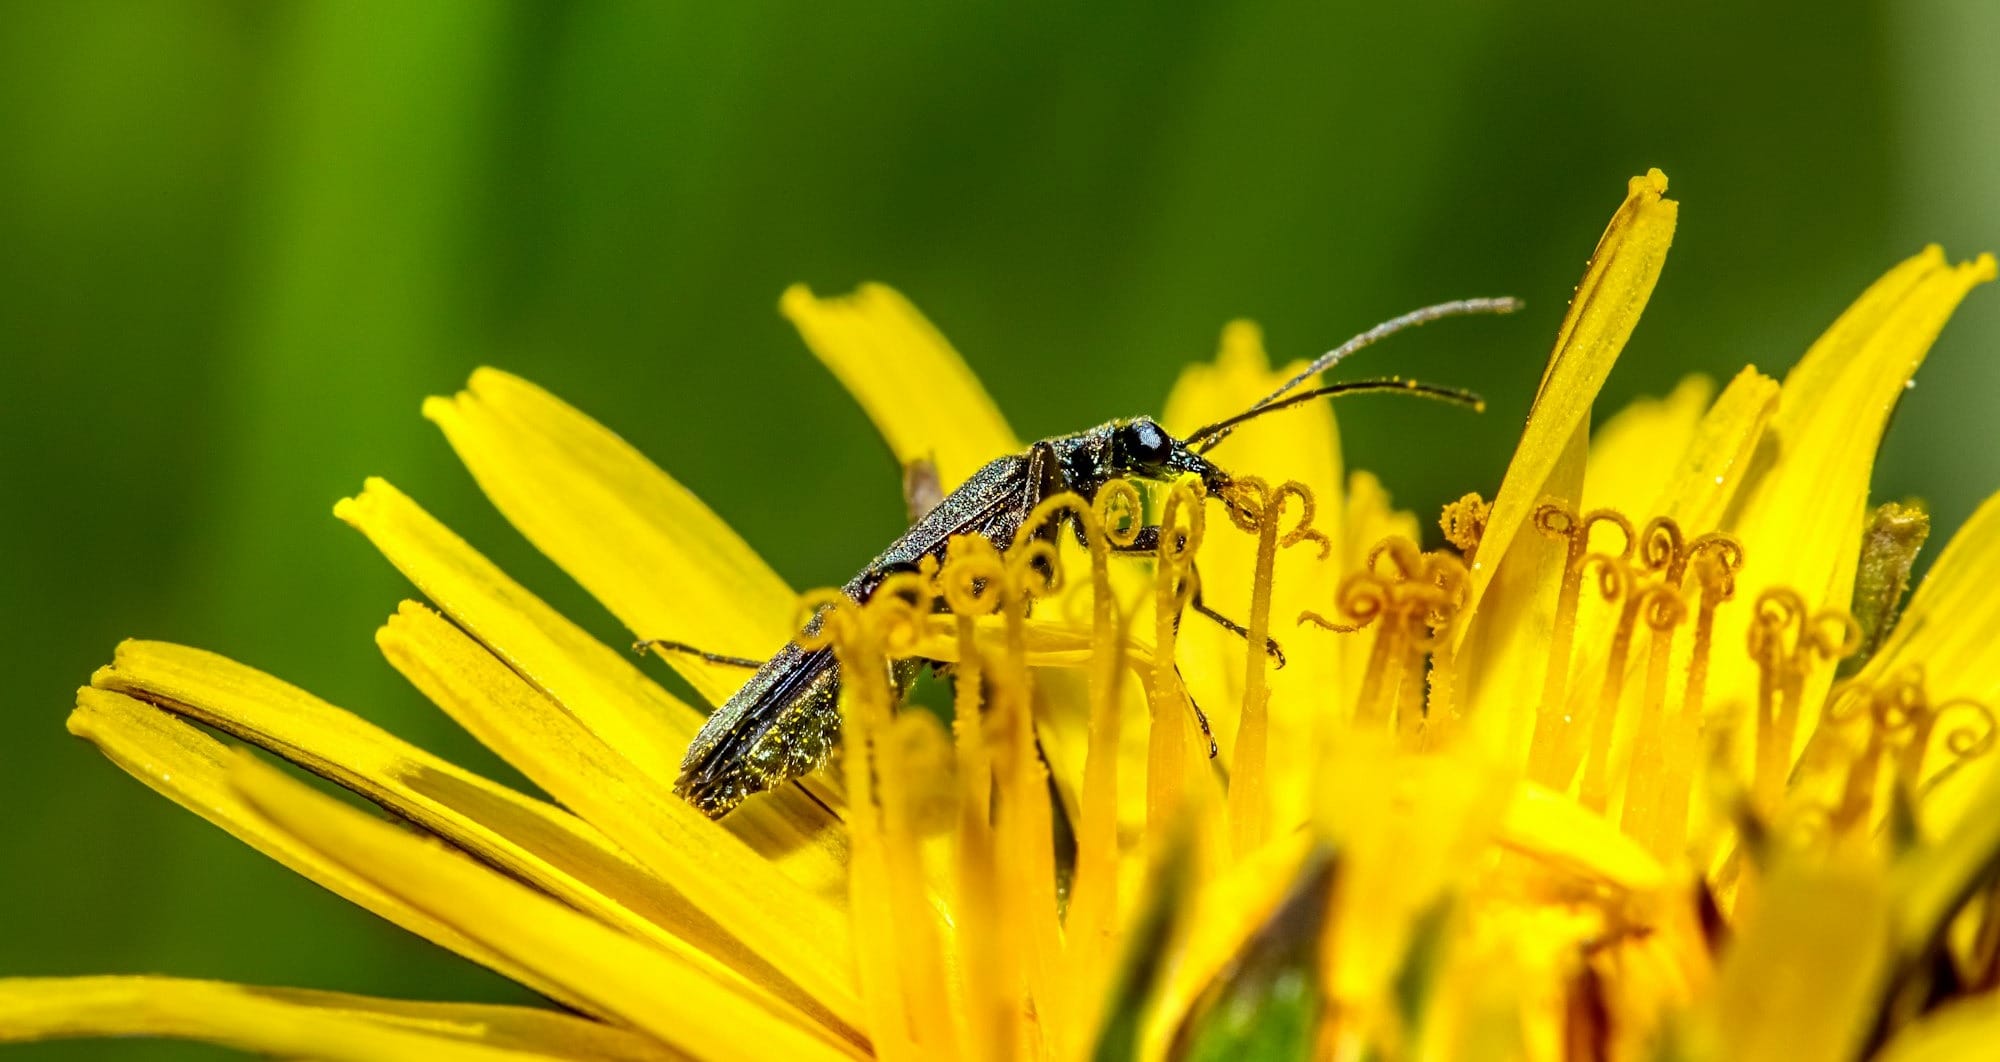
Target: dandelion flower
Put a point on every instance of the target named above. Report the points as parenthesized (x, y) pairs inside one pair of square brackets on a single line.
[(1652, 758)]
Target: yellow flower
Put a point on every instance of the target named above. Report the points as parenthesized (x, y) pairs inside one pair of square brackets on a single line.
[(1588, 784)]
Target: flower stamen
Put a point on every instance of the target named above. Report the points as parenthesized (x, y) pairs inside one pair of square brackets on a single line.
[(1181, 523), (902, 969), (1715, 559), (1786, 638), (1464, 521), (1416, 603), (1257, 507), (1663, 550), (1091, 928), (1553, 727)]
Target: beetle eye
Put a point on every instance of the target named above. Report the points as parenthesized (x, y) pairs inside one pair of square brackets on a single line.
[(1143, 440)]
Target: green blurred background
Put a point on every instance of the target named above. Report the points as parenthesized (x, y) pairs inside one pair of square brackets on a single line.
[(240, 241)]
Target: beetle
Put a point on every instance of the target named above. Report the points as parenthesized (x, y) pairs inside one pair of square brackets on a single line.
[(783, 723)]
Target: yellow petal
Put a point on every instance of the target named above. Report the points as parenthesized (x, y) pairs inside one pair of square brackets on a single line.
[(1228, 909), (1405, 828), (787, 928), (640, 542), (1504, 652), (1947, 631), (1371, 517), (535, 842), (540, 843), (603, 689), (1800, 519), (527, 729), (918, 391), (1934, 881), (1960, 1030), (1626, 467), (1563, 834), (295, 1022), (1717, 457), (184, 764), (321, 1025), (1602, 314), (648, 989), (1798, 981)]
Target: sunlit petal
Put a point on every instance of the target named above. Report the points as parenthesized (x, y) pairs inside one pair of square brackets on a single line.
[(880, 346), (1626, 470), (604, 689), (183, 763), (1614, 290), (1799, 980), (650, 989), (1801, 514), (292, 1022), (641, 543)]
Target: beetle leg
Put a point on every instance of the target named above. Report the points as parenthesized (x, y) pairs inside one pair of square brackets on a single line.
[(1200, 717), (1271, 649), (663, 646), (1147, 541)]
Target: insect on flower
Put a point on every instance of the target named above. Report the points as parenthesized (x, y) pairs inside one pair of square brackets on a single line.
[(783, 723)]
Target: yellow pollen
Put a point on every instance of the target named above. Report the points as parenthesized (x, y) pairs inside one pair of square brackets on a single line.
[(1464, 521)]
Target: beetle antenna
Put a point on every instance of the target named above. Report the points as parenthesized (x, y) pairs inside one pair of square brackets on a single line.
[(1209, 437), (1456, 308)]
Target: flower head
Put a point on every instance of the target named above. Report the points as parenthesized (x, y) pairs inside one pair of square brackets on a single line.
[(1650, 757)]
